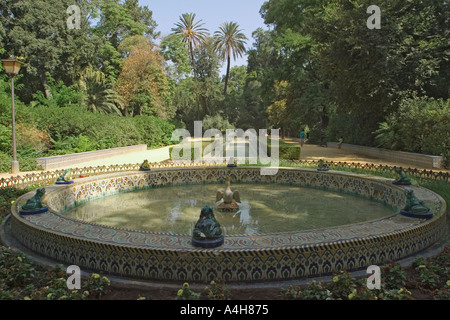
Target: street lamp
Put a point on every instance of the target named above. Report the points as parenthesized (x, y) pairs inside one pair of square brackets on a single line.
[(12, 67), (321, 109)]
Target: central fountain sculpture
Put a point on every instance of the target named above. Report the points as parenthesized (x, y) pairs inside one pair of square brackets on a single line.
[(230, 198)]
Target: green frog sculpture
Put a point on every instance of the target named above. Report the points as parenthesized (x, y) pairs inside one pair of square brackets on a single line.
[(402, 179), (145, 166), (207, 231), (34, 205), (65, 178), (414, 207), (322, 166)]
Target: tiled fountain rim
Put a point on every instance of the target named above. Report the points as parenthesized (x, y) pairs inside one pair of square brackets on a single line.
[(379, 229)]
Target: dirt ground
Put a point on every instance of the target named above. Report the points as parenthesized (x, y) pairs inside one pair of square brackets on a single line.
[(315, 152)]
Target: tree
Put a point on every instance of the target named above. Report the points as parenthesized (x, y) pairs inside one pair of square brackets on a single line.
[(174, 50), (278, 111), (193, 33), (143, 83), (229, 41), (37, 30), (208, 86), (121, 20), (330, 57), (234, 103), (143, 15), (100, 96)]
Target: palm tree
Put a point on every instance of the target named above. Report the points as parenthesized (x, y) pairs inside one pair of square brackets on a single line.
[(227, 41), (100, 96), (193, 33)]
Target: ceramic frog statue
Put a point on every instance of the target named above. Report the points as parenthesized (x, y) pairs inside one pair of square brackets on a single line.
[(207, 227), (35, 203)]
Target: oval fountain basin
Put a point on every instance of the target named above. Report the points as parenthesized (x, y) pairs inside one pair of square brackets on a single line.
[(250, 257), (263, 209)]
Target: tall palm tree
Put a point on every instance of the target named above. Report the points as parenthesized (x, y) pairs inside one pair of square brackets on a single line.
[(193, 33), (229, 40)]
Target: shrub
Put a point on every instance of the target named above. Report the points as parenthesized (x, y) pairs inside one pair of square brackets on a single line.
[(73, 128), (420, 125), (394, 276), (185, 293), (217, 291)]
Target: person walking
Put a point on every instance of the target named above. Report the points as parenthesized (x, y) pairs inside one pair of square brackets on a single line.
[(302, 137), (341, 139)]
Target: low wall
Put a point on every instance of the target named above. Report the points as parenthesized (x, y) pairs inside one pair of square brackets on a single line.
[(71, 159), (415, 159)]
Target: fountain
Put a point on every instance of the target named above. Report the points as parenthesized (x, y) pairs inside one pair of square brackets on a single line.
[(229, 198), (257, 256)]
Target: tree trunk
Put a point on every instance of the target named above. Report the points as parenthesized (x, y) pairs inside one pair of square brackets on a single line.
[(227, 75), (47, 92), (191, 49)]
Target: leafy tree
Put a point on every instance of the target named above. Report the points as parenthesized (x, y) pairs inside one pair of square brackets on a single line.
[(143, 15), (208, 86), (277, 111), (193, 33), (38, 32), (61, 95), (234, 103), (121, 20), (143, 83), (229, 41), (174, 50), (421, 124), (330, 57)]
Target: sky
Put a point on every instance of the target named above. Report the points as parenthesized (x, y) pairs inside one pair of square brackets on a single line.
[(212, 13)]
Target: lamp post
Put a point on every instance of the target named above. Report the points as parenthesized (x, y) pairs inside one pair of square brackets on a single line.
[(321, 108), (12, 67)]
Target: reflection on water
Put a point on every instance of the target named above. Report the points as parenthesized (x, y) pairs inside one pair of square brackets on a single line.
[(264, 209)]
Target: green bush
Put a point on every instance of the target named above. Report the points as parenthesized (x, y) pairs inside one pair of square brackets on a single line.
[(420, 125), (21, 278), (73, 129), (351, 127), (26, 163), (287, 151)]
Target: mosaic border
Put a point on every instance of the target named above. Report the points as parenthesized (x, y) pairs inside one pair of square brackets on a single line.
[(262, 257)]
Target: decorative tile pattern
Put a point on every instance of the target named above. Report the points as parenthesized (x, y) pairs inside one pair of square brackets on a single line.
[(262, 257)]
